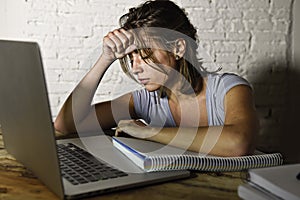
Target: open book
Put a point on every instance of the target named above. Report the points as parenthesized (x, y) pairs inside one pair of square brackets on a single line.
[(152, 156)]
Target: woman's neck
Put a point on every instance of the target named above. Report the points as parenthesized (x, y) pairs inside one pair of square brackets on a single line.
[(176, 94)]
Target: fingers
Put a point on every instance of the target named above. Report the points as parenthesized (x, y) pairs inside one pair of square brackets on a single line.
[(120, 133), (128, 35), (117, 131), (121, 124), (120, 41)]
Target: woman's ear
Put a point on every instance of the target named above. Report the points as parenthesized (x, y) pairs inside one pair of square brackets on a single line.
[(179, 49)]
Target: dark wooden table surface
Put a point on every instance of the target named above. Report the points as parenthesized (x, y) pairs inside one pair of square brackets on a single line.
[(16, 182)]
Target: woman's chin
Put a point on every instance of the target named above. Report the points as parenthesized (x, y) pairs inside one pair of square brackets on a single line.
[(152, 87)]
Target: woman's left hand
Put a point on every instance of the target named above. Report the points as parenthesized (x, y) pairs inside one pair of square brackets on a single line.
[(134, 128)]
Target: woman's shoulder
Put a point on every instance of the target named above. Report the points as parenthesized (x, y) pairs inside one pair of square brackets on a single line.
[(224, 76), (225, 81)]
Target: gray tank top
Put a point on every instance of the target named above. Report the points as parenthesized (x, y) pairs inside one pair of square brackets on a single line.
[(159, 114)]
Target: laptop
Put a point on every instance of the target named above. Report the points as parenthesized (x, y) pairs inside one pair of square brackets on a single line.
[(28, 134)]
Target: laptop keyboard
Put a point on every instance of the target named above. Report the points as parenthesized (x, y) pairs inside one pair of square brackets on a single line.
[(79, 166)]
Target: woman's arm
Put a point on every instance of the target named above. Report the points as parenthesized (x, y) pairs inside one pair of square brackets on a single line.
[(78, 111), (235, 138), (78, 105)]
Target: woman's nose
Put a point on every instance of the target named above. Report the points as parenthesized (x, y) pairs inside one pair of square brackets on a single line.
[(137, 64)]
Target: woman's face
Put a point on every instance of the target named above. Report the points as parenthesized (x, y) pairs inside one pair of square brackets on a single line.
[(152, 75)]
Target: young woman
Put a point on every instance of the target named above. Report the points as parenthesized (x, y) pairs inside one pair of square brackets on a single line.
[(183, 105)]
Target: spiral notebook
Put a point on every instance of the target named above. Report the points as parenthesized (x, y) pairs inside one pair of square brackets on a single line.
[(152, 156)]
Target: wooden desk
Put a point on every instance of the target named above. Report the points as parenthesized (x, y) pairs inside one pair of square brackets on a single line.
[(16, 182)]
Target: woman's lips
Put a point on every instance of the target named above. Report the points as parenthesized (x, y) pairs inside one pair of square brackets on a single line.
[(144, 80)]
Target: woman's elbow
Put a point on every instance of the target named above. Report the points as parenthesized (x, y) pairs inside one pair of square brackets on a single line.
[(244, 138), (62, 127), (243, 145), (58, 126), (241, 149)]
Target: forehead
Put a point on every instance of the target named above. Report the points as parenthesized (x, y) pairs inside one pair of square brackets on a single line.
[(149, 39)]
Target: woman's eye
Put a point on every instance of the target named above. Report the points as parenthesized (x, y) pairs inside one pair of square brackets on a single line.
[(145, 56), (130, 58)]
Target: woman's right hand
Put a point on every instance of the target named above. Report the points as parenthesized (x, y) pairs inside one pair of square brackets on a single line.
[(117, 44)]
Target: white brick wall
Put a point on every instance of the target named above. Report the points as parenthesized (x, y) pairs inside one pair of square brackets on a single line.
[(248, 37)]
